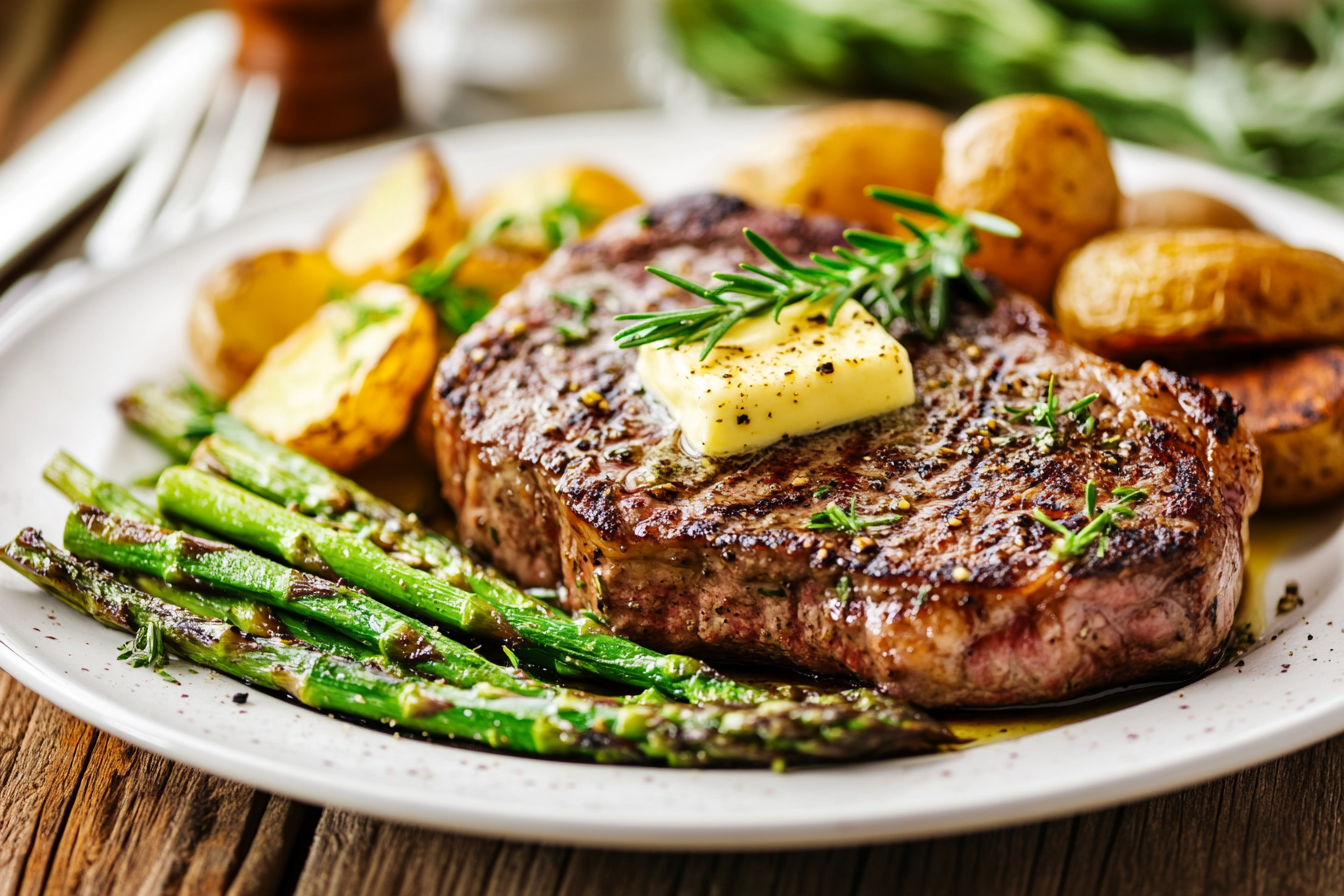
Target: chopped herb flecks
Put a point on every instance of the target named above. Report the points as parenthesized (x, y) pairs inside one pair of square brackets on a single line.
[(576, 328), (1100, 525), (1045, 415), (840, 520)]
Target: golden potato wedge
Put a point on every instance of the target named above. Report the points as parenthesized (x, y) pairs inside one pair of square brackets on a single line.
[(244, 310), (1295, 409), (1044, 164), (406, 217), (1180, 208), (821, 160), (343, 386), (1138, 293), (550, 206)]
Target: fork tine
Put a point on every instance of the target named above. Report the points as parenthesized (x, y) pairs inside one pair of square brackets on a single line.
[(179, 214), (241, 151), (123, 225)]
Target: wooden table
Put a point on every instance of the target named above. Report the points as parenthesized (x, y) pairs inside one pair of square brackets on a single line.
[(83, 812)]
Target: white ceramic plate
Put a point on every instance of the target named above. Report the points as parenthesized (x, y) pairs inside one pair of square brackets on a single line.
[(63, 365)]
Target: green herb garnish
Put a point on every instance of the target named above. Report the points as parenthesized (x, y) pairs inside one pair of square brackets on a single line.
[(1071, 544), (822, 492), (1045, 414), (147, 648), (566, 220), (576, 328), (912, 279), (362, 317), (842, 589), (458, 307), (841, 520)]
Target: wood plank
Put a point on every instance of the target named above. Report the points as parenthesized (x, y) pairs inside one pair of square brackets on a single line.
[(263, 869), (37, 794), (83, 812)]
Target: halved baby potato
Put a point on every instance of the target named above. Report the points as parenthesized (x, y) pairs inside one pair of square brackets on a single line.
[(821, 160), (1162, 292), (1181, 208), (245, 309), (406, 217), (343, 386), (549, 206), (1043, 163), (1295, 409)]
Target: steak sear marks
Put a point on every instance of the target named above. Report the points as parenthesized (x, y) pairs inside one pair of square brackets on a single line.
[(960, 603)]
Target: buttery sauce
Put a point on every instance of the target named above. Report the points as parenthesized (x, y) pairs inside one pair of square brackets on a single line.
[(1272, 536)]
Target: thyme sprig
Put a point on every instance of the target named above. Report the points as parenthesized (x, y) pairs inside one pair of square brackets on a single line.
[(914, 279), (838, 519), (1045, 414), (1100, 525)]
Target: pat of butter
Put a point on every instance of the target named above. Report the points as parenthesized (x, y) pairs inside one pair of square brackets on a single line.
[(767, 380)]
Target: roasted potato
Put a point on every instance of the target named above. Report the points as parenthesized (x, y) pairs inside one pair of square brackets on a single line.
[(343, 386), (244, 310), (406, 217), (1295, 409), (1149, 292), (549, 206), (821, 160), (1041, 162), (1180, 208), (496, 270)]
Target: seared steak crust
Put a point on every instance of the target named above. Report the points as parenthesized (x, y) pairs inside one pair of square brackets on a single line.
[(563, 471)]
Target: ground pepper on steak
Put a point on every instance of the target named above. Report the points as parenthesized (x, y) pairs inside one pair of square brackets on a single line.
[(960, 603)]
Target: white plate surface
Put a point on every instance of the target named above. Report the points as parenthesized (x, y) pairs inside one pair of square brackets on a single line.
[(63, 365)]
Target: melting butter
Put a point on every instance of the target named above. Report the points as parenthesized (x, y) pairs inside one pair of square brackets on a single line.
[(766, 380)]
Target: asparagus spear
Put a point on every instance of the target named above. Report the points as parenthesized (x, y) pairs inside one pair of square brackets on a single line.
[(175, 419), (82, 486), (294, 480), (91, 534), (238, 515), (559, 723)]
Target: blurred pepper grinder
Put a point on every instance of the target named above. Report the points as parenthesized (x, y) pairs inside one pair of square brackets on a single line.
[(331, 59)]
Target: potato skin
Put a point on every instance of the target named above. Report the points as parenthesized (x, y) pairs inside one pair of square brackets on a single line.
[(1295, 409), (821, 160), (406, 217), (1144, 292), (246, 308), (524, 197), (1044, 164), (1180, 208), (343, 386)]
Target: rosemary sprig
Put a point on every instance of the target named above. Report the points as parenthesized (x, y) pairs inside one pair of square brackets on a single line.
[(1072, 544), (1045, 414), (846, 521), (576, 328), (913, 279)]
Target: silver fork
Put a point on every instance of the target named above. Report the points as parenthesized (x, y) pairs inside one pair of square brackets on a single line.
[(177, 185)]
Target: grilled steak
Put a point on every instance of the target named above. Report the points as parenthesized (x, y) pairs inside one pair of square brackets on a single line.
[(563, 471)]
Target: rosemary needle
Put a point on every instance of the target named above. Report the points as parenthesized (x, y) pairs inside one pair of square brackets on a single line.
[(914, 279)]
